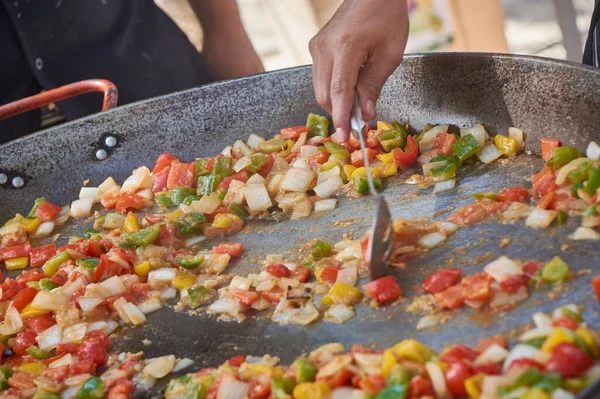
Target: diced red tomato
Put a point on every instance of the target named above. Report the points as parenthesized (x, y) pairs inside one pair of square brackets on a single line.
[(525, 363), (513, 284), (159, 180), (22, 380), (301, 274), (565, 322), (58, 374), (596, 286), (361, 349), (181, 175), (163, 161), (532, 268), (371, 140), (86, 366), (569, 361), (230, 249), (60, 277), (139, 290), (264, 171), (16, 251), (23, 341), (30, 275), (353, 143), (384, 289), (236, 361), (94, 347), (40, 255), (121, 389), (356, 158), (278, 270), (364, 249), (456, 374), (244, 297), (105, 269), (514, 194), (544, 182), (39, 323), (259, 389), (372, 384), (273, 296), (407, 157), (443, 143), (420, 387), (129, 201), (319, 157), (24, 297), (485, 343), (451, 298), (457, 353), (242, 176), (210, 164), (442, 279), (293, 132), (476, 287), (547, 146), (548, 201), (67, 347), (47, 211), (109, 201), (487, 368), (10, 288), (329, 273)]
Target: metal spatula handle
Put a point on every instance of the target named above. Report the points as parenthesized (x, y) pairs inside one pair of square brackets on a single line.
[(358, 125)]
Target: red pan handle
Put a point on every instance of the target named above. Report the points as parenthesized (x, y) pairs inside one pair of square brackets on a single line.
[(62, 93)]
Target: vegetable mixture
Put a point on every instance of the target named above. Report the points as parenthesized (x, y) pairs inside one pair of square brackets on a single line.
[(146, 248)]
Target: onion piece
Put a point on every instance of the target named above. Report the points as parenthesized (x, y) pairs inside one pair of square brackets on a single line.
[(339, 313), (44, 229), (113, 221), (108, 186), (65, 360), (139, 179), (217, 263), (338, 363), (306, 315), (563, 173), (593, 151), (159, 366), (524, 351), (242, 163), (150, 305), (240, 283), (48, 300), (502, 269), (560, 393), (256, 179), (426, 143), (49, 338), (207, 204), (226, 151), (540, 218), (240, 148), (307, 150), (542, 320), (585, 233), (254, 140), (537, 332), (235, 194), (280, 166), (431, 320), (432, 240), (477, 131), (444, 185), (63, 215), (113, 285), (589, 221), (135, 315), (183, 364), (347, 275), (489, 154), (87, 304), (74, 333), (225, 305), (493, 354), (89, 192), (329, 186), (437, 379), (516, 135), (297, 180), (300, 142), (431, 166), (230, 388), (348, 393), (325, 205), (301, 210), (516, 211), (300, 164), (162, 275), (257, 197), (81, 208)]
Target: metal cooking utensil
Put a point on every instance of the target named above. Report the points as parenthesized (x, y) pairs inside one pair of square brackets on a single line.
[(382, 234)]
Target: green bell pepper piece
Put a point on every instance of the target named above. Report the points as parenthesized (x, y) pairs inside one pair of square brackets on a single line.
[(555, 271), (47, 285), (321, 249), (389, 145), (36, 204), (206, 185), (201, 166), (258, 161), (4, 384), (488, 195), (198, 296), (144, 237), (93, 388), (445, 173), (222, 167), (393, 138), (87, 234), (580, 174), (570, 314), (188, 261), (427, 127), (37, 352), (575, 384), (239, 210), (393, 392), (591, 210), (305, 370), (362, 185), (189, 199), (179, 194), (195, 391), (175, 382), (453, 159), (41, 394), (466, 147), (398, 375), (33, 284), (536, 342), (190, 223), (51, 266), (73, 239), (6, 372), (527, 379), (319, 125), (549, 381), (99, 223), (281, 388), (276, 144), (337, 150), (562, 217), (575, 189), (562, 156), (221, 194), (88, 263), (593, 182), (165, 199), (403, 133)]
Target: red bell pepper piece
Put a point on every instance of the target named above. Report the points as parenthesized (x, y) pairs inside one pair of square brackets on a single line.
[(47, 211), (163, 161), (547, 146), (40, 255), (181, 175), (16, 251)]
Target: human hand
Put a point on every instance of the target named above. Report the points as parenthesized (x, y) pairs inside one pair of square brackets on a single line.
[(358, 48)]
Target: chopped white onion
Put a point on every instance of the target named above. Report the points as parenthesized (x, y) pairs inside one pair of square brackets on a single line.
[(89, 192), (257, 197), (477, 131), (429, 321), (118, 306), (97, 325), (81, 208), (256, 179), (339, 313), (146, 194), (217, 263), (235, 194), (493, 354), (431, 166), (315, 140), (540, 218), (301, 210), (325, 205), (300, 142), (523, 351), (207, 204), (307, 150), (516, 211), (159, 366), (542, 320), (423, 159), (240, 148), (589, 221), (300, 164), (560, 393), (593, 151), (449, 227), (150, 305), (297, 180), (335, 365), (225, 305), (74, 333), (489, 153), (48, 300), (230, 388), (183, 364), (329, 187), (108, 186), (516, 135), (502, 269), (369, 363), (87, 304), (162, 275), (113, 285), (280, 166), (65, 360), (432, 240), (348, 275), (444, 185), (226, 151), (563, 173), (113, 221), (139, 179), (563, 311), (585, 233), (254, 140), (537, 332), (70, 287), (426, 143), (240, 283), (44, 229), (306, 315), (63, 215), (437, 379), (348, 393), (242, 163), (168, 293), (135, 315), (49, 338)]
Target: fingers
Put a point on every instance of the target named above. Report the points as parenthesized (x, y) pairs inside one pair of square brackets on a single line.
[(346, 66), (372, 78), (322, 68)]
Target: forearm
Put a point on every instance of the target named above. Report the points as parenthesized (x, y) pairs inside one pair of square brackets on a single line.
[(226, 46)]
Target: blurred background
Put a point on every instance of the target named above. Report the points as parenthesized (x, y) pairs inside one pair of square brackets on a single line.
[(280, 29)]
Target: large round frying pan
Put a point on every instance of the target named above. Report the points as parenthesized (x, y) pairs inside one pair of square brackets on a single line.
[(545, 98)]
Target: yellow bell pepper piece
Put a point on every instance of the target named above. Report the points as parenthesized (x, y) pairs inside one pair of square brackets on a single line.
[(249, 370), (142, 269), (388, 363), (348, 170), (506, 145), (388, 170), (342, 293), (557, 336), (329, 165), (34, 368), (131, 224), (473, 385), (386, 158), (411, 349), (288, 150), (173, 216), (182, 281), (362, 171), (382, 125), (224, 220), (29, 311), (17, 219), (587, 337), (17, 263), (31, 225), (311, 390), (536, 393)]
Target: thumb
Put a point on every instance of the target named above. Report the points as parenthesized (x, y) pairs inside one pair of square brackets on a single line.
[(371, 79)]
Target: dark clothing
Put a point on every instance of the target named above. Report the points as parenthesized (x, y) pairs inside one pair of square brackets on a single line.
[(48, 43), (591, 53)]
